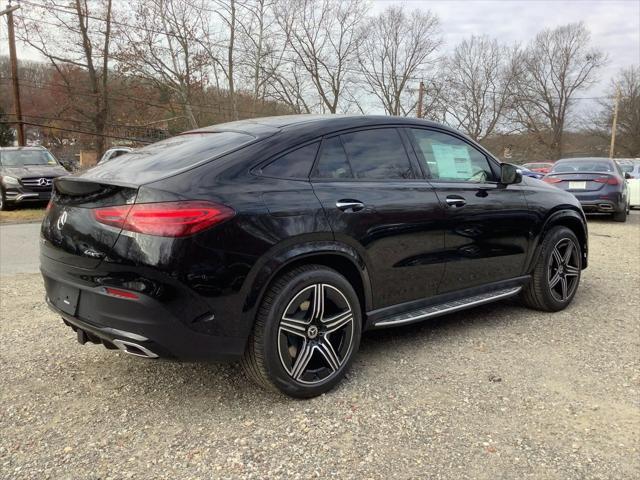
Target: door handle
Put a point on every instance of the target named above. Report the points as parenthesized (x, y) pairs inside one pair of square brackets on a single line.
[(455, 201), (349, 205)]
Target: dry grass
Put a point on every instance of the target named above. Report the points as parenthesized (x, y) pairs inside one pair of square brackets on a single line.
[(20, 215)]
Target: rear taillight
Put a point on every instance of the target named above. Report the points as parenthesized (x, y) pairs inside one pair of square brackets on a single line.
[(606, 179), (552, 179), (116, 292), (165, 219)]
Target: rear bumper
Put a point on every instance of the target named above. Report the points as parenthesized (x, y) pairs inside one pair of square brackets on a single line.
[(601, 202), (135, 326), (599, 206)]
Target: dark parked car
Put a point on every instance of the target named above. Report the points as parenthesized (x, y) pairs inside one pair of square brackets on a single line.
[(599, 184), (278, 241), (26, 175)]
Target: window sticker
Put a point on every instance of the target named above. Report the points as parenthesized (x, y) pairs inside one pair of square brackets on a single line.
[(453, 161)]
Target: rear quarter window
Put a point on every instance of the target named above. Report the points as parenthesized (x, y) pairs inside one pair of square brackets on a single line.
[(296, 164), (168, 157)]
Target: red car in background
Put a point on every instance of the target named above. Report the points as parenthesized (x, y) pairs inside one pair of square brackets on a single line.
[(539, 167)]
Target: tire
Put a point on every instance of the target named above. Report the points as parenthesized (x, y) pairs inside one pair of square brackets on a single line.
[(552, 288), (4, 206), (307, 353), (620, 216)]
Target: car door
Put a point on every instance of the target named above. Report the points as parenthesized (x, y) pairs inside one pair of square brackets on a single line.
[(486, 223), (376, 201)]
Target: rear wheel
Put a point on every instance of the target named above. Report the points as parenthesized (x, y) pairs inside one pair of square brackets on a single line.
[(556, 275), (306, 333), (621, 216)]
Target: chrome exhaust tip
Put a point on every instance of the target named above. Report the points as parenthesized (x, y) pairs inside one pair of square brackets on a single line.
[(134, 349), (605, 206)]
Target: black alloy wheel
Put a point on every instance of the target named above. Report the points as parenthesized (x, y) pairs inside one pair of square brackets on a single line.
[(306, 333), (556, 274)]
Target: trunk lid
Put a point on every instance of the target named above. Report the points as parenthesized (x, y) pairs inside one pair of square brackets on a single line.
[(70, 234), (579, 181)]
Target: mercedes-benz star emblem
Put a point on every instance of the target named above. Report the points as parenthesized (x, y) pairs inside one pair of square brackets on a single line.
[(44, 182), (62, 219)]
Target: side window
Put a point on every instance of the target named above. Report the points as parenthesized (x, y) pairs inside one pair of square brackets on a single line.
[(377, 154), (295, 164), (332, 162), (449, 158)]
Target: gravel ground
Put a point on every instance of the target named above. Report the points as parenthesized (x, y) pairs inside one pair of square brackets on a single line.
[(496, 392)]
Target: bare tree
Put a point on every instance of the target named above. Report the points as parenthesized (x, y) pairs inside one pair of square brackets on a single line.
[(80, 41), (323, 36), (257, 39), (479, 78), (627, 83), (396, 47), (166, 48), (558, 63)]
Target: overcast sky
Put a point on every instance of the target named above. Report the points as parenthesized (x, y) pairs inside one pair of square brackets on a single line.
[(614, 24)]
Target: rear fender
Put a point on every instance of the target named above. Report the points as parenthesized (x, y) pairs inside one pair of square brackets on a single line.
[(285, 257)]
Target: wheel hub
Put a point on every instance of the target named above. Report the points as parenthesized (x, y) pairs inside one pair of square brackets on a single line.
[(312, 332)]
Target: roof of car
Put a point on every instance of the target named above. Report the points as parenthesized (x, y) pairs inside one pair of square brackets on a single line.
[(22, 148), (264, 126), (584, 159)]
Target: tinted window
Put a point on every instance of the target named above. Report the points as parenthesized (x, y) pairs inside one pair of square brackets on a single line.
[(568, 166), (296, 164), (449, 158), (377, 154), (168, 156), (332, 162)]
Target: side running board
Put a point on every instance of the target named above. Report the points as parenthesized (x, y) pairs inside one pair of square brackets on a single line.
[(446, 307)]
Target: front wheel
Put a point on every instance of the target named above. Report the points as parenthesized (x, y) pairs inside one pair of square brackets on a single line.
[(3, 201), (556, 275), (306, 334)]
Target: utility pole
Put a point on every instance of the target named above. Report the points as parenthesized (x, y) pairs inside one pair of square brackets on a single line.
[(420, 99), (14, 70), (614, 124)]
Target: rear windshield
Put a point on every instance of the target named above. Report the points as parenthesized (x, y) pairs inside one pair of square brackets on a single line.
[(582, 166), (20, 158), (167, 157)]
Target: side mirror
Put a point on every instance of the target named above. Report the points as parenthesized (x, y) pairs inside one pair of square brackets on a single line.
[(510, 174), (627, 175)]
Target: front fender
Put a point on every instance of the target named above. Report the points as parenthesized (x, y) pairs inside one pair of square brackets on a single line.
[(572, 218)]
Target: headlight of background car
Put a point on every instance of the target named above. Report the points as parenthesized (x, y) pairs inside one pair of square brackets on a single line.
[(10, 181)]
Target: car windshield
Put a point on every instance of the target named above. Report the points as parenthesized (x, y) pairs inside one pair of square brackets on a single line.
[(582, 166), (626, 167), (21, 158)]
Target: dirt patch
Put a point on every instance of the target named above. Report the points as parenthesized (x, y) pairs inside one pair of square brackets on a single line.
[(22, 215)]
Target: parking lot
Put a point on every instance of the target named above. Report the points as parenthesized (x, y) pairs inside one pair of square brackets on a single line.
[(495, 392)]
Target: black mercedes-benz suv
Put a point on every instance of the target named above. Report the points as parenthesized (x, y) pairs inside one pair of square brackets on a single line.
[(278, 241), (26, 175)]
